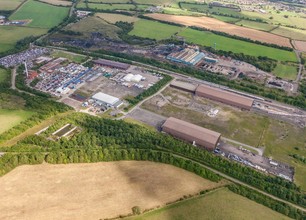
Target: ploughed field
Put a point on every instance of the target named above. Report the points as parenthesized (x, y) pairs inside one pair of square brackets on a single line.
[(93, 191), (214, 24)]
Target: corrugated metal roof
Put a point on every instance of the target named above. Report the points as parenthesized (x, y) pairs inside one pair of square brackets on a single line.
[(112, 64), (225, 96), (192, 132), (108, 99)]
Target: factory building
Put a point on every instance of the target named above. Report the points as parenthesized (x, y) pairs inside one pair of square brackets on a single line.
[(112, 64), (225, 97), (107, 100), (194, 134), (185, 86), (188, 56)]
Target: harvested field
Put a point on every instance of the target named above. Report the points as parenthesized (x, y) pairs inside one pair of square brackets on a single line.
[(300, 45), (57, 2), (93, 191), (214, 24)]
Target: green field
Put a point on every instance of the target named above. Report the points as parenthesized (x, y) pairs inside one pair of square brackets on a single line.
[(256, 25), (286, 71), (215, 205), (108, 6), (154, 30), (94, 24), (153, 2), (10, 118), (109, 1), (70, 56), (4, 75), (41, 15), (9, 35), (226, 19), (206, 9), (9, 4), (206, 38), (292, 33), (113, 18)]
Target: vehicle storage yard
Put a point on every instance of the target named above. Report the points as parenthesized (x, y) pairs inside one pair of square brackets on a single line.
[(75, 84)]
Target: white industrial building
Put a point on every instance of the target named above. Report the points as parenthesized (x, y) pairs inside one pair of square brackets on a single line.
[(107, 100), (133, 78)]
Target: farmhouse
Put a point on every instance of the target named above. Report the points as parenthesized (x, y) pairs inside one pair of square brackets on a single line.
[(224, 97), (107, 100), (112, 64), (192, 133)]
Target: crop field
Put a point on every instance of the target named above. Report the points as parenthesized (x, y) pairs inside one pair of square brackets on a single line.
[(286, 71), (11, 34), (9, 4), (291, 33), (206, 38), (109, 6), (113, 18), (226, 19), (215, 205), (214, 24), (10, 118), (154, 29), (41, 15), (96, 191), (58, 2), (300, 45), (257, 25), (77, 58)]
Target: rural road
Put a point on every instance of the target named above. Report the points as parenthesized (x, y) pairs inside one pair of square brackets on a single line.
[(13, 79)]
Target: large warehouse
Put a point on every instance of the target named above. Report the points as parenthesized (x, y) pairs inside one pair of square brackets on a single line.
[(192, 133), (226, 97), (112, 64), (107, 100)]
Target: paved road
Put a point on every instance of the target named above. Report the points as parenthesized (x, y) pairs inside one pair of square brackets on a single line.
[(259, 150), (13, 79)]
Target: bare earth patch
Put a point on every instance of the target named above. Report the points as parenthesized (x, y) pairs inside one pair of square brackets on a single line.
[(300, 45), (92, 191), (214, 24)]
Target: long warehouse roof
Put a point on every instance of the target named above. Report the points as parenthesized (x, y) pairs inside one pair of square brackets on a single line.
[(224, 96), (191, 132), (112, 64)]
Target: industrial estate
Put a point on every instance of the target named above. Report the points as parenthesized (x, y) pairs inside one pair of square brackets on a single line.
[(152, 109)]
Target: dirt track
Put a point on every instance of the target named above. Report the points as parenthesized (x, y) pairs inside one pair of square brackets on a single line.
[(214, 24), (92, 191)]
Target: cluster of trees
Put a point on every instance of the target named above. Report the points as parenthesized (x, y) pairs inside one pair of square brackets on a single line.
[(299, 157), (6, 82), (43, 108), (150, 91), (263, 63), (267, 201), (70, 32), (11, 160), (109, 133), (242, 38)]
